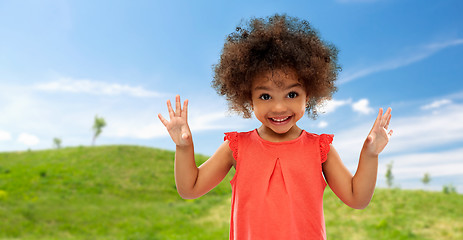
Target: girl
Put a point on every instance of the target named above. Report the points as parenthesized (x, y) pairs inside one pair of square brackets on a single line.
[(277, 68)]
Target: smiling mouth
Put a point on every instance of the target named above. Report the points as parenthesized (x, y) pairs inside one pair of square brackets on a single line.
[(280, 120)]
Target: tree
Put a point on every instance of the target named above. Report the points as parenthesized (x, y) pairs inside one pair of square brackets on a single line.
[(449, 189), (389, 176), (57, 143), (426, 178), (98, 126)]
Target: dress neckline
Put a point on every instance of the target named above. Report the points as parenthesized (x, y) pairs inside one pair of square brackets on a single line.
[(303, 132)]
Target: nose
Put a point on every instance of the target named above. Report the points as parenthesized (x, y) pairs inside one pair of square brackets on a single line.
[(279, 107)]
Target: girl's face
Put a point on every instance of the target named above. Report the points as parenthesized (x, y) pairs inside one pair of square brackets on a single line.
[(278, 101)]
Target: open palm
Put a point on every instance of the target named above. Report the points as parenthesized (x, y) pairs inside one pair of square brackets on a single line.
[(379, 135), (178, 127)]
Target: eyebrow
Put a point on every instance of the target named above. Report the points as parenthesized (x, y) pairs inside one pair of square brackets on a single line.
[(267, 89)]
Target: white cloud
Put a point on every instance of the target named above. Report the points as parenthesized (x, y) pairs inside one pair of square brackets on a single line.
[(153, 128), (148, 131), (322, 124), (428, 130), (331, 105), (209, 121), (4, 136), (444, 167), (132, 120), (95, 87), (409, 168), (428, 159), (413, 147), (446, 44), (401, 61), (436, 104), (362, 106), (28, 139), (411, 133)]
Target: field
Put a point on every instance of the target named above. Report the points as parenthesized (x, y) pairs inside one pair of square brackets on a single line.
[(128, 192)]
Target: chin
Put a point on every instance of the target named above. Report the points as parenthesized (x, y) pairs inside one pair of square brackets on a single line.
[(281, 131)]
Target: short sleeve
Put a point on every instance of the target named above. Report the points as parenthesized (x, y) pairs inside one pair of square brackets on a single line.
[(325, 141), (233, 138)]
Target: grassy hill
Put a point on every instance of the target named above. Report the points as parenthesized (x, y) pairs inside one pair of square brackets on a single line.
[(128, 192)]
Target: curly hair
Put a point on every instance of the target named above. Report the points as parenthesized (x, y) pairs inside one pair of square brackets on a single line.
[(277, 42)]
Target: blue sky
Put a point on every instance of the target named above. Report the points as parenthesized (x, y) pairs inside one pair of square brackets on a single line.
[(63, 62)]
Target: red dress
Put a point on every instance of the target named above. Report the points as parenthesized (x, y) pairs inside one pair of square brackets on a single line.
[(278, 187)]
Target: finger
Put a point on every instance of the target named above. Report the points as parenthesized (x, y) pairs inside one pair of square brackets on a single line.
[(390, 133), (185, 109), (171, 111), (163, 120), (388, 118), (378, 119), (178, 109)]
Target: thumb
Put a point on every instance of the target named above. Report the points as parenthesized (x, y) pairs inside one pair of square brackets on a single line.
[(369, 139), (185, 136)]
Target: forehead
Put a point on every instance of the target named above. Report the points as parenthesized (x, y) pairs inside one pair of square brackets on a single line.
[(278, 77)]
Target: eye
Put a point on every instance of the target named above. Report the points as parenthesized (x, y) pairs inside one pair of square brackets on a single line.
[(264, 96), (293, 94)]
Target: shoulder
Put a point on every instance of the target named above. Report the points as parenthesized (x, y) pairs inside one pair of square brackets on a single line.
[(322, 137), (236, 139), (322, 142), (235, 135)]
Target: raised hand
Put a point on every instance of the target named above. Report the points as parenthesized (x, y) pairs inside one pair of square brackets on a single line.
[(379, 135), (178, 127)]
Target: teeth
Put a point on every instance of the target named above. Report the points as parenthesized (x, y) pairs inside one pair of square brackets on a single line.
[(280, 120)]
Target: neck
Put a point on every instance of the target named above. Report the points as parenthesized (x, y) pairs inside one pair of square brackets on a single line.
[(269, 135)]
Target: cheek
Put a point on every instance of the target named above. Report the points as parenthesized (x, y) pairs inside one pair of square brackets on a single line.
[(302, 104), (302, 107), (302, 112), (258, 109)]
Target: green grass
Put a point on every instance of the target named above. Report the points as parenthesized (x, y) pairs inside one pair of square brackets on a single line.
[(128, 192)]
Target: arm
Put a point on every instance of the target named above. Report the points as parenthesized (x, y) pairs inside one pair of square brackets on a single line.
[(191, 181), (356, 191)]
